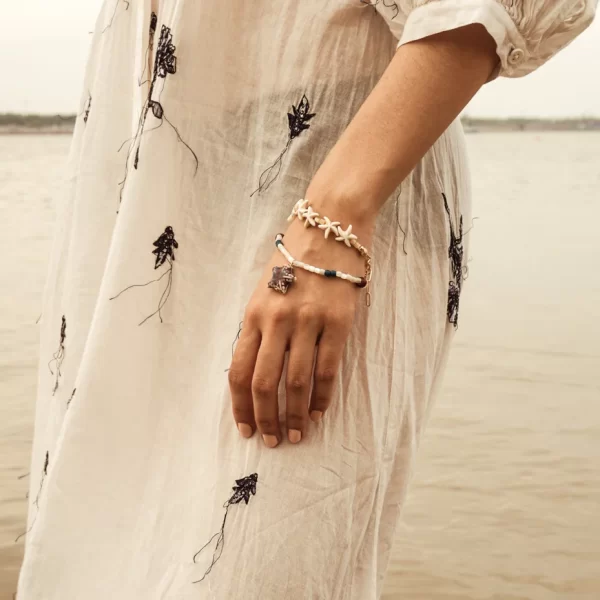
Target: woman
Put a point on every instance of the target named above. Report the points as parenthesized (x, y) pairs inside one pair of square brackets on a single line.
[(203, 124)]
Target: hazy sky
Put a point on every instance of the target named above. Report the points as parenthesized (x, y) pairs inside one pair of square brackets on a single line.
[(43, 50)]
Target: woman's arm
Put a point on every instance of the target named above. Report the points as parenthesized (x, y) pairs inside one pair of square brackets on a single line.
[(425, 87), (422, 91)]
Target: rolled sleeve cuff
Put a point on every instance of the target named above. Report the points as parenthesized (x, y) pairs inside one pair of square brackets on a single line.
[(445, 15)]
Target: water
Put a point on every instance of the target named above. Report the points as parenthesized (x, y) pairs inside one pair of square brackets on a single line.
[(506, 501)]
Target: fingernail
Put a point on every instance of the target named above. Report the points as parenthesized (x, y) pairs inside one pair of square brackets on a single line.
[(245, 429), (316, 415), (294, 435), (270, 440)]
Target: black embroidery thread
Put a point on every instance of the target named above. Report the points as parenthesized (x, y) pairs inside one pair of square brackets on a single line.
[(87, 109), (59, 355), (115, 12), (152, 31), (456, 255), (71, 397), (37, 498), (165, 63), (44, 473), (242, 491), (399, 225), (374, 3), (164, 250), (297, 123), (453, 302), (237, 337)]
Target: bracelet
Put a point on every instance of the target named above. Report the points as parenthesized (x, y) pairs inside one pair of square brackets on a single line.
[(283, 277), (304, 212)]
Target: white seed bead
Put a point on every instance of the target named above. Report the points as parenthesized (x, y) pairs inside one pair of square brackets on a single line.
[(312, 269)]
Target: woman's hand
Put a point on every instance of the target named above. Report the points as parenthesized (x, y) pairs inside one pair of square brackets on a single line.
[(315, 315)]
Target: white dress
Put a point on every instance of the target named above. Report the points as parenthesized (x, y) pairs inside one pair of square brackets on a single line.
[(195, 139)]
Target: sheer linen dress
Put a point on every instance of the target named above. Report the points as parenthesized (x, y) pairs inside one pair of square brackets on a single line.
[(184, 166)]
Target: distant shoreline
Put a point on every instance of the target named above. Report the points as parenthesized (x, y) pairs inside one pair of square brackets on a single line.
[(11, 124), (473, 125)]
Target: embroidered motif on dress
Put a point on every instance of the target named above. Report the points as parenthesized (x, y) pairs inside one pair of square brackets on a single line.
[(297, 123), (242, 491), (37, 498), (59, 355), (164, 251), (165, 63), (455, 254)]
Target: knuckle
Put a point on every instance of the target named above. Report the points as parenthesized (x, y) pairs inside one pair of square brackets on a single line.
[(326, 374), (262, 387), (321, 404), (298, 383), (252, 314), (295, 420), (241, 413), (238, 379), (279, 315), (265, 425), (338, 321), (306, 314)]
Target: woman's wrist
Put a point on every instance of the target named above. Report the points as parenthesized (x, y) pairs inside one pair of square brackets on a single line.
[(348, 189), (345, 204)]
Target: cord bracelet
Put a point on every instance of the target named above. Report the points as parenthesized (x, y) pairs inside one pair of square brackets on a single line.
[(283, 277)]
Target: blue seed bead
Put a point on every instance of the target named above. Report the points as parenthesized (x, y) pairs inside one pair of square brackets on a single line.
[(329, 273)]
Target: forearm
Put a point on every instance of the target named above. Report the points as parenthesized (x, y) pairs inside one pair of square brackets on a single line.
[(422, 91)]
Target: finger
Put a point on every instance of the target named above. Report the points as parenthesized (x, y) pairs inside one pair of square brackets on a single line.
[(240, 379), (298, 379), (327, 364), (265, 384)]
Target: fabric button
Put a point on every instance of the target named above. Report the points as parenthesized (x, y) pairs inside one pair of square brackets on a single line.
[(515, 56)]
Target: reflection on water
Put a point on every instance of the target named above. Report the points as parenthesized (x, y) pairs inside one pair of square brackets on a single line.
[(505, 504)]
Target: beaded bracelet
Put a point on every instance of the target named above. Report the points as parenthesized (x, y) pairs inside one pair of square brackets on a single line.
[(283, 277), (305, 213)]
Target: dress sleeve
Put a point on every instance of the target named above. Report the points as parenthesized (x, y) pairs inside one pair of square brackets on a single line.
[(527, 32)]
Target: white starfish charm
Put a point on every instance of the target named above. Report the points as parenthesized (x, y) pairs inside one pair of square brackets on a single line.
[(297, 208), (309, 216), (329, 226), (345, 236)]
